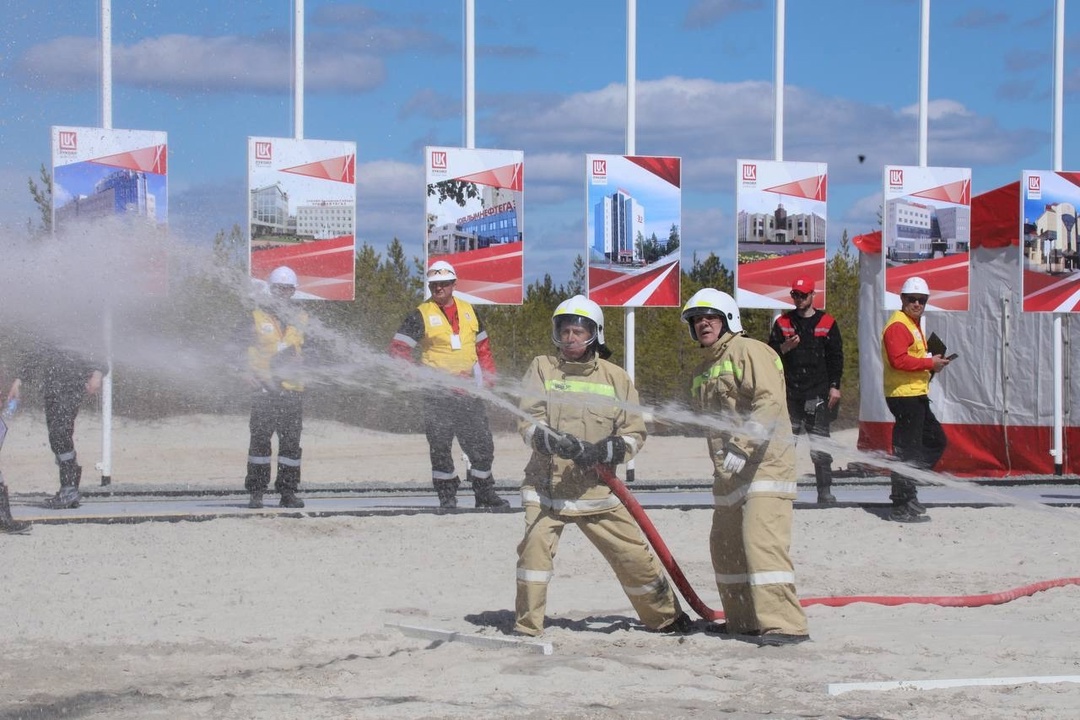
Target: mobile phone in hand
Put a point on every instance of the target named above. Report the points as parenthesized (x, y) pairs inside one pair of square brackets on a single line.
[(953, 357)]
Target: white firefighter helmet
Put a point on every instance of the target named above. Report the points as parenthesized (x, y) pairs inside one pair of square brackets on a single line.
[(709, 301), (441, 271), (578, 310), (915, 286), (282, 276)]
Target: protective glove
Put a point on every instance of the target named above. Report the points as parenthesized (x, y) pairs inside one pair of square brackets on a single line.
[(611, 451), (734, 461), (548, 442)]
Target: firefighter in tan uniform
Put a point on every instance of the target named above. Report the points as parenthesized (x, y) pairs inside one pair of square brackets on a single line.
[(578, 401), (742, 381)]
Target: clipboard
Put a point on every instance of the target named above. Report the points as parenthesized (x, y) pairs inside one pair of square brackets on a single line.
[(935, 345)]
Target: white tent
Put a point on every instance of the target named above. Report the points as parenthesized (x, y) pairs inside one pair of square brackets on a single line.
[(996, 400)]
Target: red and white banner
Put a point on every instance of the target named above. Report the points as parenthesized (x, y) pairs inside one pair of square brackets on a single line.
[(302, 213), (101, 174), (780, 230), (633, 228), (926, 232), (475, 220), (1049, 261)]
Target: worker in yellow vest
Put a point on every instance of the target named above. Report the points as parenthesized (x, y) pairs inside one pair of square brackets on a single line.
[(274, 356), (451, 339), (918, 438)]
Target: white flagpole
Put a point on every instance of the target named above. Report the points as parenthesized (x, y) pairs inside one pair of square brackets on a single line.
[(470, 74), (1059, 351), (298, 69), (924, 80), (778, 82), (106, 123)]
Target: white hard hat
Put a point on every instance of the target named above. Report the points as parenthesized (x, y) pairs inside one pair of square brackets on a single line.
[(709, 301), (282, 276), (441, 271), (915, 286), (578, 310)]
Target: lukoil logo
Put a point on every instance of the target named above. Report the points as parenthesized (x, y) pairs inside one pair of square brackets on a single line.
[(749, 172), (599, 167), (438, 159), (264, 150), (68, 141), (1034, 183), (896, 177)]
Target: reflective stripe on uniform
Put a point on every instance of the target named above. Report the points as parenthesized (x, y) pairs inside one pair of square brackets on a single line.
[(65, 457), (580, 506), (654, 587), (772, 577), (725, 367), (579, 386), (399, 337), (436, 475), (758, 486), (258, 459), (481, 474), (536, 576), (290, 462)]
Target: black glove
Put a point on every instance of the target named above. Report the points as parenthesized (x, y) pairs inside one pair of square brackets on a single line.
[(610, 451), (548, 442)]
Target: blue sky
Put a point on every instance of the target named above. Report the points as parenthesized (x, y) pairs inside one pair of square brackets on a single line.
[(388, 74)]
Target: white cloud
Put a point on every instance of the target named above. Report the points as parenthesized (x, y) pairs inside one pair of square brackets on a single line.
[(206, 64)]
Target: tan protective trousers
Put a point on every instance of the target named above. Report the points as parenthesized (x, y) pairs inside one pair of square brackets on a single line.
[(754, 574), (619, 540)]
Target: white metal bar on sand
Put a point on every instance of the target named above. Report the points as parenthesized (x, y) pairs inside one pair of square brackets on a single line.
[(536, 646), (841, 688)]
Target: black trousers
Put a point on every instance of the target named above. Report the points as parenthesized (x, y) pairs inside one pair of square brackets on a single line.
[(812, 415), (918, 440), (448, 415), (62, 401), (280, 412)]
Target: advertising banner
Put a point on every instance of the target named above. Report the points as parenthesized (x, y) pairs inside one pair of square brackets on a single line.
[(780, 231), (926, 232), (633, 224), (302, 213), (107, 175), (475, 206), (1050, 266)]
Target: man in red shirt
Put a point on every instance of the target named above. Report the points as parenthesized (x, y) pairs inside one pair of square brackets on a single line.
[(918, 438)]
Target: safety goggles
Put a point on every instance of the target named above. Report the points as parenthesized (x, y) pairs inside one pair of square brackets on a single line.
[(915, 299), (439, 272)]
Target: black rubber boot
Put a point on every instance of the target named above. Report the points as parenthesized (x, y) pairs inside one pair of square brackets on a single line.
[(256, 500), (823, 478), (484, 490), (447, 492), (8, 524), (289, 500), (68, 497)]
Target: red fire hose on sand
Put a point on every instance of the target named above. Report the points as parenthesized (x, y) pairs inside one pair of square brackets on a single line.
[(623, 493)]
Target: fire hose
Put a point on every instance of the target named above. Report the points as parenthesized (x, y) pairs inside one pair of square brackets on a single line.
[(679, 578)]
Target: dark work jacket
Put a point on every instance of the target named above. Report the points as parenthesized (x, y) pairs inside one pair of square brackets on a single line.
[(817, 363)]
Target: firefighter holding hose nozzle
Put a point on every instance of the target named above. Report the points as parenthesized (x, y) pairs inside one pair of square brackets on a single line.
[(578, 404), (742, 381)]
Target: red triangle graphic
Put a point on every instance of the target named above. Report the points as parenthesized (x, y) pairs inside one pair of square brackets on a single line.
[(510, 177), (153, 159), (339, 169), (958, 192), (812, 188), (665, 168), (1073, 177)]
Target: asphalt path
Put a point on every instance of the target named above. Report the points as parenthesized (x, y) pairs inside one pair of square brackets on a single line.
[(104, 505)]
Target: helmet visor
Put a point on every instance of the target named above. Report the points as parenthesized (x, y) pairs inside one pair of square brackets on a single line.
[(573, 331)]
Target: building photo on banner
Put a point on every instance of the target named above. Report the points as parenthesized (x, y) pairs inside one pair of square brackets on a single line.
[(1050, 265), (927, 233), (474, 203), (780, 232), (633, 230), (302, 213)]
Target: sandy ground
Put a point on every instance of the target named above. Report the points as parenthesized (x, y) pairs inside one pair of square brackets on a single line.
[(289, 617)]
